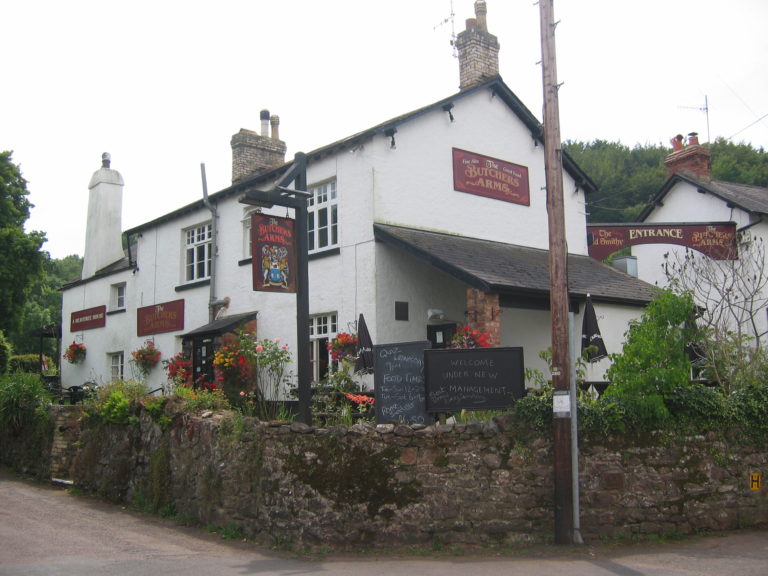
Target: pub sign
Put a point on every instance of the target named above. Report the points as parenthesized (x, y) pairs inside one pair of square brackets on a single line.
[(490, 177), (88, 319), (273, 246), (158, 318)]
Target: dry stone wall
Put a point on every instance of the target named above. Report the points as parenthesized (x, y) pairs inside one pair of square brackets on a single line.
[(290, 484)]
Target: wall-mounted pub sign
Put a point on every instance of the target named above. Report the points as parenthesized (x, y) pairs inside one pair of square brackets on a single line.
[(88, 319), (273, 246), (715, 239), (158, 318), (490, 177)]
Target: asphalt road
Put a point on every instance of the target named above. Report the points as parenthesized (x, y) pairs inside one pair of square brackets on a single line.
[(45, 530)]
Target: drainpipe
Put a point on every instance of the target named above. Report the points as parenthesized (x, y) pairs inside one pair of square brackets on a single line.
[(214, 249)]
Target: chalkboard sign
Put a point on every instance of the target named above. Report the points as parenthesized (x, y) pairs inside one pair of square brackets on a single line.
[(398, 376), (473, 378)]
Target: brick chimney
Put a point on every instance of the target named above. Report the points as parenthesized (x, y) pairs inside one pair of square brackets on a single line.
[(254, 153), (478, 50), (688, 158)]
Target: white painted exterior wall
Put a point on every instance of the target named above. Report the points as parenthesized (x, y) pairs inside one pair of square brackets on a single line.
[(410, 185)]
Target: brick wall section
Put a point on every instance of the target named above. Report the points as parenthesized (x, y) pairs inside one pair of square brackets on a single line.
[(66, 433), (253, 153), (484, 313)]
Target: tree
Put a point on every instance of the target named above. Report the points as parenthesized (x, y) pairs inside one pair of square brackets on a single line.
[(43, 305), (654, 361), (731, 296), (22, 261)]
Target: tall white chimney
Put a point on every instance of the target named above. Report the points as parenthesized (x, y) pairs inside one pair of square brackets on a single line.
[(103, 233)]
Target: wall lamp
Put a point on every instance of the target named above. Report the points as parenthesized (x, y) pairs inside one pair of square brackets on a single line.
[(447, 108), (390, 133)]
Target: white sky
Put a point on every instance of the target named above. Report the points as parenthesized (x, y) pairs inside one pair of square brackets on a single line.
[(163, 84)]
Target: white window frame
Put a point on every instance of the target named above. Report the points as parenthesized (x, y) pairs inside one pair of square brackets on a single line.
[(118, 296), (116, 365), (198, 250), (323, 206), (322, 328)]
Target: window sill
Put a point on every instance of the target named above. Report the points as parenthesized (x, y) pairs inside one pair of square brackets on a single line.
[(116, 311), (193, 285)]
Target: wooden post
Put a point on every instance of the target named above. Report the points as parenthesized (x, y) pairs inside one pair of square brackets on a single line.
[(558, 277)]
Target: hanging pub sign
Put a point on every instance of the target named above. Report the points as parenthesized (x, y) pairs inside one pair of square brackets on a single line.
[(87, 319), (158, 318), (715, 239), (273, 245), (489, 177)]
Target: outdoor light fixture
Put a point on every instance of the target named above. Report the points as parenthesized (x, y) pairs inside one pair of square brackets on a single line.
[(447, 108), (391, 135)]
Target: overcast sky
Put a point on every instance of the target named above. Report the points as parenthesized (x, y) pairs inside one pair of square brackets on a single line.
[(163, 84)]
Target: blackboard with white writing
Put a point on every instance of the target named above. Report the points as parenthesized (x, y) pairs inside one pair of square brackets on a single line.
[(398, 376), (473, 378)]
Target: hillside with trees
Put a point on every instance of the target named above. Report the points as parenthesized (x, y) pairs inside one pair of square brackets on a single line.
[(628, 178)]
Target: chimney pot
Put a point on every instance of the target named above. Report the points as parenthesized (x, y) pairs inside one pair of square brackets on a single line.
[(693, 139), (275, 122), (264, 117), (106, 160), (677, 142)]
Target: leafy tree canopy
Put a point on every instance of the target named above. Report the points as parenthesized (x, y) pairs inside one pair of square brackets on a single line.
[(22, 261), (628, 178)]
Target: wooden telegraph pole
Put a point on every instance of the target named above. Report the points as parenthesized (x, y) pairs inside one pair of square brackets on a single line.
[(558, 281)]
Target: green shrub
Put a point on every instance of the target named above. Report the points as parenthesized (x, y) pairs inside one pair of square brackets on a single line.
[(5, 353), (749, 409), (533, 412), (198, 400), (698, 408), (27, 363), (23, 400), (114, 402)]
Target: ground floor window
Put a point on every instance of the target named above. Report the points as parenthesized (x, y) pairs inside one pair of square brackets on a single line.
[(322, 328), (116, 365)]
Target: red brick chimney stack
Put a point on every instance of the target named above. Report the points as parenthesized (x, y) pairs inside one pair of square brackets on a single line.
[(689, 158)]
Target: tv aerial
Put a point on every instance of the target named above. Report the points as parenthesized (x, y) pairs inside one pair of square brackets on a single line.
[(704, 109)]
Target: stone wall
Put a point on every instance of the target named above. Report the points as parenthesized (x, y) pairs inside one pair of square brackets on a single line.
[(289, 484)]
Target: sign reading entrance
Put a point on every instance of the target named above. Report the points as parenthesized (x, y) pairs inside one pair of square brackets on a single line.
[(717, 239), (399, 382), (87, 319), (273, 246), (158, 318), (473, 378), (489, 177)]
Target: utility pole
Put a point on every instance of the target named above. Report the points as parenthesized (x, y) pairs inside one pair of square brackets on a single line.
[(558, 281)]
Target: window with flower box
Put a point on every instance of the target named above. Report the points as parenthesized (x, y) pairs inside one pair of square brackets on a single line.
[(197, 253), (322, 328), (323, 217)]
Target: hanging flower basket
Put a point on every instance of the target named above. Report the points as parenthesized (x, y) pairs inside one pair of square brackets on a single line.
[(75, 353), (146, 357), (343, 346)]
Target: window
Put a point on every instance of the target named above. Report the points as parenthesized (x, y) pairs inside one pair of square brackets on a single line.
[(323, 217), (117, 297), (321, 330), (197, 258), (247, 248), (116, 365)]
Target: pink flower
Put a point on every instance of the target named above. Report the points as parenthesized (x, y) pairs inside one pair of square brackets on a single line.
[(259, 348)]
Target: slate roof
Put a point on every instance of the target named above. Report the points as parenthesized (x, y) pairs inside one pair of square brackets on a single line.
[(223, 325), (752, 199), (513, 270)]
